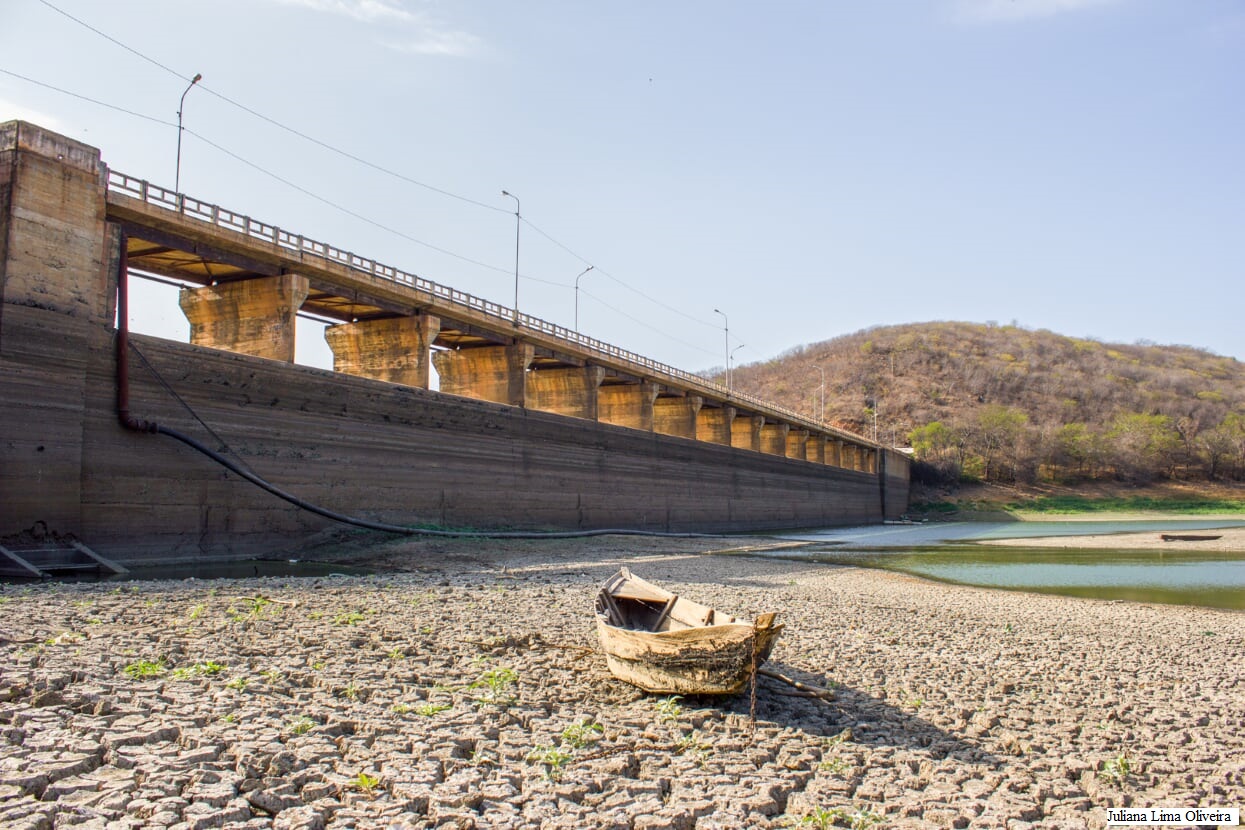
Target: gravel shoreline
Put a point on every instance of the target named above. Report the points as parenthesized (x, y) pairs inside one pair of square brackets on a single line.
[(465, 691)]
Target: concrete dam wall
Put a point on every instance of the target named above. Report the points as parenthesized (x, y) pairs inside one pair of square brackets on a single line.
[(357, 445)]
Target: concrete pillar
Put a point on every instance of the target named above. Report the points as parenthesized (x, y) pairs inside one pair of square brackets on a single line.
[(847, 456), (815, 449), (627, 405), (254, 317), (395, 349), (714, 425), (871, 461), (57, 276), (571, 391), (488, 373), (834, 452), (676, 416), (746, 433), (774, 438), (796, 441)]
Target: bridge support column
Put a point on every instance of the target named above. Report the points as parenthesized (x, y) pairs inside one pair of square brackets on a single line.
[(834, 452), (570, 392), (488, 373), (815, 449), (746, 433), (254, 317), (627, 405), (847, 456), (797, 441), (714, 425), (871, 461), (394, 349), (677, 416), (774, 438)]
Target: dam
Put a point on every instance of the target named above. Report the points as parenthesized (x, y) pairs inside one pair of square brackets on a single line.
[(533, 426)]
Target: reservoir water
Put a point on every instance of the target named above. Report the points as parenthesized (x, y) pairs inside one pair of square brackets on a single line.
[(946, 551)]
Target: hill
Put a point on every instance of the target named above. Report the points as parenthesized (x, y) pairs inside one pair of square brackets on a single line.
[(1004, 403)]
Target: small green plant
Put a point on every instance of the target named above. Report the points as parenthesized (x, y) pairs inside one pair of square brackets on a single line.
[(196, 612), (207, 667), (496, 684), (1117, 769), (366, 783), (553, 759), (838, 740), (583, 732), (230, 718), (915, 702), (271, 675), (821, 818), (668, 709), (350, 692), (238, 684), (428, 710), (397, 654), (318, 665), (349, 618), (834, 766), (145, 669), (301, 725), (863, 819)]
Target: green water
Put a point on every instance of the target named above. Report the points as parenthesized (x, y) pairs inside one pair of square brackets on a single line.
[(1178, 577), (1210, 579)]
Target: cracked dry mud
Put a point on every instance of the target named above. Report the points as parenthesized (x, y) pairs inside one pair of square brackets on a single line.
[(466, 692)]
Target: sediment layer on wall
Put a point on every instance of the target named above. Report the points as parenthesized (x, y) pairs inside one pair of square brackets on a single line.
[(406, 455)]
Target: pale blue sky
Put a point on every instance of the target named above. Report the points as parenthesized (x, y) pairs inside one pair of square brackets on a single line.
[(810, 168)]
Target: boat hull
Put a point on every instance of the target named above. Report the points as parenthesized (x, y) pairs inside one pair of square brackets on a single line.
[(669, 644)]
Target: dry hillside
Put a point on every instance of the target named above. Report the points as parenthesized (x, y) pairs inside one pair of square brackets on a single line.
[(1004, 403)]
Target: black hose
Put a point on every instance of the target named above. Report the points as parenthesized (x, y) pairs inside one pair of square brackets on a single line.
[(402, 529)]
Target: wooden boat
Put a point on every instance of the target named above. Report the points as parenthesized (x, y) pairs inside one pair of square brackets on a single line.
[(669, 644), (1187, 537)]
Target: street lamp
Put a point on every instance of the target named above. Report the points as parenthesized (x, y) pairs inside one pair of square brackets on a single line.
[(581, 273), (726, 327), (517, 219), (731, 357), (821, 415), (177, 176)]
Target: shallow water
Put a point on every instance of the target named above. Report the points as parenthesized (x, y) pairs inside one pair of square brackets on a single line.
[(1207, 578)]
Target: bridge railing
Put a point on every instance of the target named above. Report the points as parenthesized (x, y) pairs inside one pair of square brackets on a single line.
[(218, 216)]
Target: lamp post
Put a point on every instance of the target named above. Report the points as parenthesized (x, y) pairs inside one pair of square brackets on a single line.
[(731, 357), (726, 349), (177, 176), (517, 220), (581, 273), (821, 413)]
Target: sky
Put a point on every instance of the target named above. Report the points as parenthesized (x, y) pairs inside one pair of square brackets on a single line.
[(796, 170)]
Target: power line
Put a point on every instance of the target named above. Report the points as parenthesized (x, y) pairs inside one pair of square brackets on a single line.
[(648, 326), (88, 99), (273, 121), (379, 168)]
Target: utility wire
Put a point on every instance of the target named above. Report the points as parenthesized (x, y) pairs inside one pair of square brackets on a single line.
[(609, 276), (276, 123), (379, 168), (360, 216), (90, 100)]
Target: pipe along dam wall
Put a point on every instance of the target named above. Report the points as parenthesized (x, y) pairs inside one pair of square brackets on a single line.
[(534, 427)]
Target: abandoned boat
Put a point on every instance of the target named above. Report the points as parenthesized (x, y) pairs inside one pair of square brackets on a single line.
[(669, 644)]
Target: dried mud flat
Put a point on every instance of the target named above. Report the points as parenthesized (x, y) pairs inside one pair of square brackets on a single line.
[(465, 692)]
